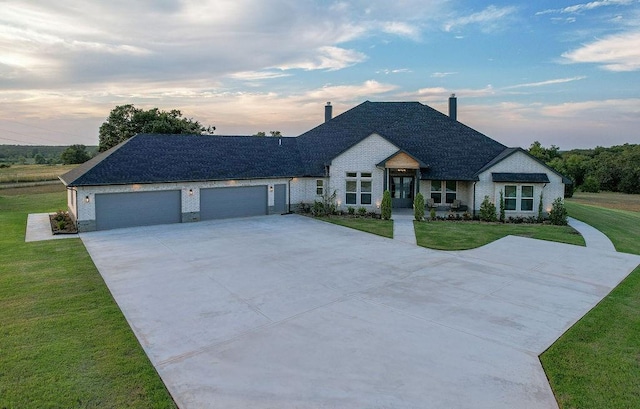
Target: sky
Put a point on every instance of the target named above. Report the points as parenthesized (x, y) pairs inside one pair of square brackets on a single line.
[(565, 73)]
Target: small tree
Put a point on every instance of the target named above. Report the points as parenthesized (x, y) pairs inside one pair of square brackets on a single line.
[(558, 214), (501, 207), (432, 213), (418, 207), (385, 206), (75, 154), (541, 208), (487, 210)]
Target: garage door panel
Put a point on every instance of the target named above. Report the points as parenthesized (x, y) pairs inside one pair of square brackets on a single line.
[(226, 202), (116, 210)]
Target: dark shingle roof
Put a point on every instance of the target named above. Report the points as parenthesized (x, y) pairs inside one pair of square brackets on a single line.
[(452, 150), (447, 150), (148, 158), (520, 177)]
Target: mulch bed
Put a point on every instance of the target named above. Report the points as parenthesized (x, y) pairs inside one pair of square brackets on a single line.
[(57, 227)]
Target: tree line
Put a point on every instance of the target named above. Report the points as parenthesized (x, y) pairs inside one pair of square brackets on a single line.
[(615, 169)]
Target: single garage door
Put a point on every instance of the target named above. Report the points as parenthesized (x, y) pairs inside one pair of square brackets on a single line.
[(225, 202), (116, 210)]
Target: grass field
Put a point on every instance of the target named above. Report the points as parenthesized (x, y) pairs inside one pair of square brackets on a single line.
[(446, 235), (596, 363), (610, 200), (63, 341), (32, 173), (382, 228)]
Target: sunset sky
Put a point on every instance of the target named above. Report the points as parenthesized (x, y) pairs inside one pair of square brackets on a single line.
[(561, 72)]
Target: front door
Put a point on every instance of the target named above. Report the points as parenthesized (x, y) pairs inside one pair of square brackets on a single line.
[(402, 188)]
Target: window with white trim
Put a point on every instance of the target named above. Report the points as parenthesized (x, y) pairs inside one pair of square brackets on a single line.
[(518, 198), (319, 187), (358, 188), (510, 197), (526, 199), (450, 191)]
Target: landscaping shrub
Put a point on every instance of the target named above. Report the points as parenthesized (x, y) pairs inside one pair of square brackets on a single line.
[(540, 209), (487, 210), (418, 207), (362, 211), (558, 214), (351, 210), (432, 213), (501, 207), (466, 216), (385, 207)]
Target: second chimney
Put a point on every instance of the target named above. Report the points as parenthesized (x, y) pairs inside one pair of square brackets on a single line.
[(328, 112), (453, 107)]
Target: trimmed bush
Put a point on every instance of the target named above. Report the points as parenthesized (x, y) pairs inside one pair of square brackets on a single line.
[(362, 211), (488, 210), (501, 207), (558, 214), (385, 206), (418, 207), (432, 213), (351, 210), (541, 209)]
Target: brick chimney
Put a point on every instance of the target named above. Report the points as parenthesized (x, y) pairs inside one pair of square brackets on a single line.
[(453, 107), (328, 112)]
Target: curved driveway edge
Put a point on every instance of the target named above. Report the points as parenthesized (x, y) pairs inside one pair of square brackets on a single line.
[(290, 312)]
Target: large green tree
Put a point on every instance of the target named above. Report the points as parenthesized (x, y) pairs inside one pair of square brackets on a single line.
[(125, 121), (75, 154)]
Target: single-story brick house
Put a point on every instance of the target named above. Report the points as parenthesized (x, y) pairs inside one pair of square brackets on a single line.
[(403, 147)]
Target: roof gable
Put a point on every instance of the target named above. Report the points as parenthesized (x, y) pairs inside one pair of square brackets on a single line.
[(451, 149)]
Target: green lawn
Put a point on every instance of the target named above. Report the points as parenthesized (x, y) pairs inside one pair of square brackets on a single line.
[(382, 228), (596, 363), (448, 235), (63, 341)]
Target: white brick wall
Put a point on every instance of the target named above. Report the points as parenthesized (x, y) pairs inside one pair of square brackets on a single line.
[(520, 162), (362, 157), (304, 190)]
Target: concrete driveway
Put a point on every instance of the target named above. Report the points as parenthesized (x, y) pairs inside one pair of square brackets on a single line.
[(290, 312)]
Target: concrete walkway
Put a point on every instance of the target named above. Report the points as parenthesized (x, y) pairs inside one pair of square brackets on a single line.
[(403, 226), (39, 228), (593, 238)]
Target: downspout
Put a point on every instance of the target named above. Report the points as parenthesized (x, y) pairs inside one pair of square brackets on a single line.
[(289, 201), (474, 200)]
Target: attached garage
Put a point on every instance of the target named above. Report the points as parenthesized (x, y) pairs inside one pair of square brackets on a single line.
[(225, 202), (116, 210)]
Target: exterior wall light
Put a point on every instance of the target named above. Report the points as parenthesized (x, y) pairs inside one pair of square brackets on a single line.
[(87, 199), (377, 204), (270, 188), (190, 192)]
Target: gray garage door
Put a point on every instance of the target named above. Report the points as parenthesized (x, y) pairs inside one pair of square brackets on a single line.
[(115, 210), (225, 202)]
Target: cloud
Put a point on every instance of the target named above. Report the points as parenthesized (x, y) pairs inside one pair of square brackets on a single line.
[(489, 19), (548, 82), (620, 52), (578, 8), (401, 29), (387, 71), (442, 74), (257, 75), (326, 58)]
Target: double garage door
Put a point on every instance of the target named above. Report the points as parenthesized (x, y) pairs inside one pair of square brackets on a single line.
[(117, 210)]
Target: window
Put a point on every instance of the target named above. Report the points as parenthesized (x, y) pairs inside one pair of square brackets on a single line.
[(358, 188), (510, 201), (436, 191), (451, 187), (526, 201), (365, 192), (522, 194), (319, 187), (352, 192)]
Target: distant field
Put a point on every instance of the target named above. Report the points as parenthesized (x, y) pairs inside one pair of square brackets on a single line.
[(611, 200), (32, 173)]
